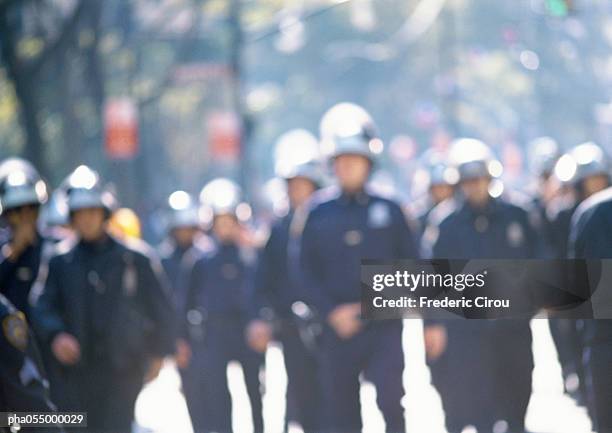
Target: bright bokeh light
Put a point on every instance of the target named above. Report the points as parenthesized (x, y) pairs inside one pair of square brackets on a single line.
[(179, 200), (41, 189), (275, 196), (565, 168), (83, 177), (496, 188), (530, 60), (376, 146), (495, 168), (244, 212), (16, 178), (220, 194), (587, 153)]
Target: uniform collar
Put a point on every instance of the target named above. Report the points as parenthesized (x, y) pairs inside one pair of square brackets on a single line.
[(178, 250), (99, 246), (360, 198)]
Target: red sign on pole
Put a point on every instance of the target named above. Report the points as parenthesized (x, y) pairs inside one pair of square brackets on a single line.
[(121, 128), (224, 134)]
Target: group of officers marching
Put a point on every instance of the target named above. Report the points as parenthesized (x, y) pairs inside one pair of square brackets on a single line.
[(88, 317)]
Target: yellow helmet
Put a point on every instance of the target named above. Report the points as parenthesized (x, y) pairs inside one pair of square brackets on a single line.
[(124, 223)]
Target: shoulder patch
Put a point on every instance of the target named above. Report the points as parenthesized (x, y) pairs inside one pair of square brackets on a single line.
[(15, 329), (379, 215)]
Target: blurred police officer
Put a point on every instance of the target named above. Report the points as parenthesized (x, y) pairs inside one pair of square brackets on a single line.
[(183, 227), (544, 152), (23, 387), (437, 178), (344, 225), (22, 192), (591, 238), (482, 369), (584, 170), (278, 294), (55, 219), (27, 248), (217, 312), (103, 311), (183, 245)]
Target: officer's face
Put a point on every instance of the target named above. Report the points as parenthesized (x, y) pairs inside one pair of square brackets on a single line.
[(89, 224), (226, 228), (352, 171), (476, 191), (440, 192), (184, 236), (299, 190), (593, 184), (24, 215)]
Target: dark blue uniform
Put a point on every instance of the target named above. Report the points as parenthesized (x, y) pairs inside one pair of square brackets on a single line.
[(23, 387), (340, 230), (276, 290), (111, 297), (484, 375), (177, 263), (566, 333), (219, 292), (560, 215), (591, 238), (172, 256), (419, 210), (18, 281), (17, 278)]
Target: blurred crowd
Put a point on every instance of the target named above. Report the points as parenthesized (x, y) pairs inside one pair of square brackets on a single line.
[(90, 310)]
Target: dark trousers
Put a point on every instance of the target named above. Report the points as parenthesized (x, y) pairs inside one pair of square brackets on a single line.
[(205, 381), (108, 396), (570, 347), (599, 372), (304, 394), (377, 352), (485, 374)]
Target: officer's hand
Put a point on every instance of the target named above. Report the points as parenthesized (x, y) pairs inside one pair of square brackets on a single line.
[(154, 369), (345, 320), (435, 341), (183, 354), (258, 335), (66, 349)]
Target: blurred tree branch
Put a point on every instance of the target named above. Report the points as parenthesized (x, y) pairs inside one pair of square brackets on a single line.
[(24, 74)]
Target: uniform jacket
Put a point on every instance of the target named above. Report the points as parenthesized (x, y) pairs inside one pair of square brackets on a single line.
[(112, 296), (340, 230)]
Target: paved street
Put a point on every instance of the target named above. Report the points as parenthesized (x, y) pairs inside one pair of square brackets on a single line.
[(161, 408)]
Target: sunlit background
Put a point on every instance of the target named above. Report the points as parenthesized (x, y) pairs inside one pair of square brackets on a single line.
[(162, 95)]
